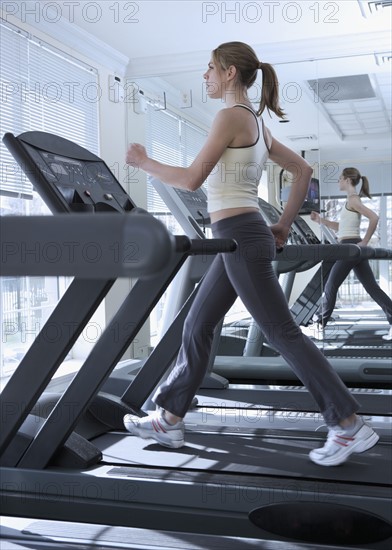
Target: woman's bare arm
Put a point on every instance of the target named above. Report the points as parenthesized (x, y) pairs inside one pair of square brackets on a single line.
[(301, 172), (222, 133), (354, 203)]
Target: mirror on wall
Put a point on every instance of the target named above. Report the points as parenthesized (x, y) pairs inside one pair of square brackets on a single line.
[(338, 114), (338, 108), (355, 103), (184, 94)]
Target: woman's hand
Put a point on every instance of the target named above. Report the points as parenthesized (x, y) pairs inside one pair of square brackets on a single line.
[(280, 232), (136, 155), (363, 243), (315, 216)]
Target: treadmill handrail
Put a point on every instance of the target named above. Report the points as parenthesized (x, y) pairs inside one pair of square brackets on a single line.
[(210, 247), (320, 252), (382, 253), (87, 245)]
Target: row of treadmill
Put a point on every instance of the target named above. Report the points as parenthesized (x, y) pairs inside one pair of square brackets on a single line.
[(74, 478)]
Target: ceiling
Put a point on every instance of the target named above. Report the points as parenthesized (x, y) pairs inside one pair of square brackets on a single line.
[(324, 53)]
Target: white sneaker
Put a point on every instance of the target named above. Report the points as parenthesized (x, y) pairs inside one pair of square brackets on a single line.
[(154, 426), (342, 443), (389, 335)]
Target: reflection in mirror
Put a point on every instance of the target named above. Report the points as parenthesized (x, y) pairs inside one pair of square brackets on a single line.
[(355, 102)]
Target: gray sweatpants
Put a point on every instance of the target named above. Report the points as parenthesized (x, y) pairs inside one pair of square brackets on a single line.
[(248, 273)]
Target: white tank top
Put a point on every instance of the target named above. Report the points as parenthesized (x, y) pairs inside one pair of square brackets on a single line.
[(234, 180), (349, 223)]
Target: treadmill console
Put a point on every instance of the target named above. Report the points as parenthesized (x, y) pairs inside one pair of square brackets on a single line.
[(190, 210), (271, 215), (196, 203), (68, 177), (308, 234), (188, 207)]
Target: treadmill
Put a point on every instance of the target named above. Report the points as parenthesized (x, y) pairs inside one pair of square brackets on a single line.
[(340, 340), (354, 332), (236, 475), (370, 378)]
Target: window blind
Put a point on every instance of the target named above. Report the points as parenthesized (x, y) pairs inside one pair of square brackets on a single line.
[(171, 140), (42, 89), (194, 139), (163, 145)]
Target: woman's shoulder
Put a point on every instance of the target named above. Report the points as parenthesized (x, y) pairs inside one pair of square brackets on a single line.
[(230, 118), (225, 115), (353, 201)]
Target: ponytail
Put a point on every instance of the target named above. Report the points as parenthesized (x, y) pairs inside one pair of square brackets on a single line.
[(365, 191), (270, 91), (354, 175), (244, 58)]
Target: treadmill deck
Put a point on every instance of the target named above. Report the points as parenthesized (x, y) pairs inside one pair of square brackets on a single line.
[(251, 442)]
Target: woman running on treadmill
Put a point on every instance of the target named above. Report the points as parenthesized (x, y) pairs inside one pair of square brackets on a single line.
[(231, 160), (348, 229)]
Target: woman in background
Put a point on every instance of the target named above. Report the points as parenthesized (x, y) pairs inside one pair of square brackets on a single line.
[(348, 229)]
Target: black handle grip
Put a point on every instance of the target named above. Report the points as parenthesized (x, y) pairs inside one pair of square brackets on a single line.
[(212, 246), (383, 253), (332, 252), (317, 252), (182, 243)]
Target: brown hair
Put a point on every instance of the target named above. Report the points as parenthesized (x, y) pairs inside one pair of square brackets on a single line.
[(354, 175), (245, 60)]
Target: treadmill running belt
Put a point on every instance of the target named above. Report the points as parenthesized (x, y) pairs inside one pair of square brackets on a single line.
[(247, 453)]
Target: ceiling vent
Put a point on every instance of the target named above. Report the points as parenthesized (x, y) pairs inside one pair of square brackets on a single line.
[(309, 137), (383, 58), (343, 88), (355, 105), (370, 7)]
